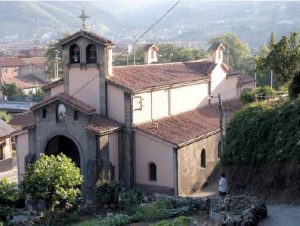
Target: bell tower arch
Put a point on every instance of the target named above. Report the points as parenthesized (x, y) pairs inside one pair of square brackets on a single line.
[(87, 61)]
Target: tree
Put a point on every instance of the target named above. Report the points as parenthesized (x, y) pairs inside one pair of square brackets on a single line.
[(294, 88), (5, 116), (11, 89), (54, 179), (167, 53), (53, 49), (235, 49), (283, 57)]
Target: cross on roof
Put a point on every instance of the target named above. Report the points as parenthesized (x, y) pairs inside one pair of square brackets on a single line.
[(83, 17)]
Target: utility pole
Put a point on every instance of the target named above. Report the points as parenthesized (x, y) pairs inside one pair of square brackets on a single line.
[(271, 78), (56, 65)]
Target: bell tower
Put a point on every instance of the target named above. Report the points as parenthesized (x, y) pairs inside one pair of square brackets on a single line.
[(87, 61)]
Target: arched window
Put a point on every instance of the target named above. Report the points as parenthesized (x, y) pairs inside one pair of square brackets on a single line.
[(152, 171), (91, 54), (74, 54), (203, 158), (44, 113)]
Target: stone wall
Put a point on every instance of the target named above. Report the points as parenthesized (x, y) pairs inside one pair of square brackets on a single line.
[(86, 143), (191, 176)]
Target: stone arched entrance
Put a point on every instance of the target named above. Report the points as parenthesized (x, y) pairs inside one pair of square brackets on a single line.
[(62, 144)]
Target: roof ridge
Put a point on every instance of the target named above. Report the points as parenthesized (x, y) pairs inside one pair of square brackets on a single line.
[(159, 64)]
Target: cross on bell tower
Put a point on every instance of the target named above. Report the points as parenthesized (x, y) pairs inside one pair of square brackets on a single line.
[(83, 17)]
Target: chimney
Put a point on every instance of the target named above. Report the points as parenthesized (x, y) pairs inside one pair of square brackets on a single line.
[(150, 55), (217, 50)]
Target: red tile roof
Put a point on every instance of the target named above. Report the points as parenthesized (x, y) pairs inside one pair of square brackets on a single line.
[(87, 34), (11, 62), (141, 77), (66, 99), (5, 129), (184, 128), (102, 125), (40, 61), (243, 79), (53, 84), (23, 120), (25, 81)]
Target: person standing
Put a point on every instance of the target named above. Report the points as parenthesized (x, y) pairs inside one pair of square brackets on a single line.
[(222, 185)]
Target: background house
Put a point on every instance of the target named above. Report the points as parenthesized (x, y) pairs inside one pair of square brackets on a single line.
[(6, 153)]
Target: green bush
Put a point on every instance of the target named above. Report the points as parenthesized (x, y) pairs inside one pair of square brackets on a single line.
[(107, 192), (179, 221), (263, 91), (263, 132), (129, 200), (7, 213), (294, 88), (10, 194), (115, 220), (5, 116), (54, 179)]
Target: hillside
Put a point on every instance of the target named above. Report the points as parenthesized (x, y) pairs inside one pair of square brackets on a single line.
[(121, 20)]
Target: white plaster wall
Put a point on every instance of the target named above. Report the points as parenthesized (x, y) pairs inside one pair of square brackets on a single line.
[(219, 84), (22, 151), (90, 94), (150, 150), (56, 90), (231, 90), (188, 98), (143, 101), (7, 149), (115, 103), (114, 152), (160, 104)]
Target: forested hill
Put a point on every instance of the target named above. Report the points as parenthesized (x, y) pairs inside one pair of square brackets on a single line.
[(189, 21)]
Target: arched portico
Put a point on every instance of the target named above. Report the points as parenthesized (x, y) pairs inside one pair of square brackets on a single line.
[(63, 144)]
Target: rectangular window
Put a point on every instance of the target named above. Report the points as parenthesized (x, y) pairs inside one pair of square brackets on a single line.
[(76, 115)]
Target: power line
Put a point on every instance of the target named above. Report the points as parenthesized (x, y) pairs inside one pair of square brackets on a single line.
[(133, 43), (150, 28)]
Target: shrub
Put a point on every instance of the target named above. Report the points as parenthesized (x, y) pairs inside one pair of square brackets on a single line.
[(130, 199), (179, 221), (263, 132), (264, 91), (115, 220), (54, 179), (7, 213), (294, 88), (107, 192), (10, 195)]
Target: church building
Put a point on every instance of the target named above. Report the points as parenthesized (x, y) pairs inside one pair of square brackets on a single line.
[(151, 126)]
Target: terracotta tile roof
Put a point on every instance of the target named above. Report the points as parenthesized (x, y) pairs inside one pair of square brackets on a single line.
[(68, 100), (232, 106), (87, 34), (5, 129), (141, 77), (103, 125), (40, 61), (25, 81), (243, 79), (11, 62), (53, 84), (148, 46), (185, 127), (22, 120)]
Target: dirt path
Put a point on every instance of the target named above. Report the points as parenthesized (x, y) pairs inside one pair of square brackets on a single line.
[(283, 215)]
